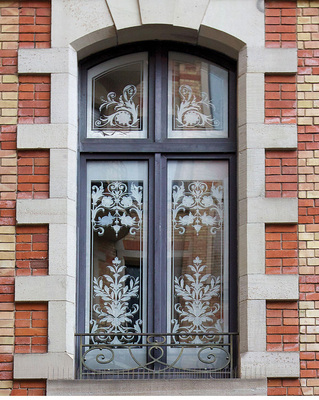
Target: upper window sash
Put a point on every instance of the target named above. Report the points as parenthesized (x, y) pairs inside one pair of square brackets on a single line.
[(117, 98), (197, 98)]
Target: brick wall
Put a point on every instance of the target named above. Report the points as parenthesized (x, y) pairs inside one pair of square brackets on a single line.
[(9, 19), (281, 249), (33, 174), (22, 24), (281, 173), (280, 99), (280, 23), (34, 99), (32, 250), (31, 328), (308, 162)]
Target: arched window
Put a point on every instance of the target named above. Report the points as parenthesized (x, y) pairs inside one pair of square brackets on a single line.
[(157, 243)]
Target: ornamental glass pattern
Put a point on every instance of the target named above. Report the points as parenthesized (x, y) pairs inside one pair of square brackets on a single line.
[(117, 221), (197, 252), (117, 101), (198, 98)]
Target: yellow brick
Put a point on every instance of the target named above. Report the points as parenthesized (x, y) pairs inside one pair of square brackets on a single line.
[(8, 103), (308, 321), (313, 261), (312, 313), (7, 239), (301, 96), (10, 79), (312, 329), (6, 324), (6, 340), (312, 95), (10, 45), (300, 45), (314, 3), (8, 264), (9, 37), (9, 162), (302, 236), (6, 349), (9, 20), (301, 121), (8, 120), (7, 256), (307, 391), (301, 112), (9, 28), (9, 112), (313, 382), (9, 246), (316, 121), (312, 78), (303, 36), (307, 338), (7, 332), (5, 392), (306, 305), (10, 95), (303, 20), (313, 194), (306, 270), (313, 161), (4, 315), (305, 104), (7, 230), (303, 3), (303, 87), (315, 20), (5, 384)]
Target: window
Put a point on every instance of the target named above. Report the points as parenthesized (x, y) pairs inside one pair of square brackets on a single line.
[(157, 244)]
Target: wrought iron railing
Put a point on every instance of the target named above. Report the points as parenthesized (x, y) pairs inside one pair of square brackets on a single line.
[(156, 356)]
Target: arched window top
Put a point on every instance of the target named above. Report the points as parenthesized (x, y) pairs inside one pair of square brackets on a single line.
[(122, 97)]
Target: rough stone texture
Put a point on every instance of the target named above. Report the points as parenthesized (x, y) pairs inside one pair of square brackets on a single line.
[(215, 387)]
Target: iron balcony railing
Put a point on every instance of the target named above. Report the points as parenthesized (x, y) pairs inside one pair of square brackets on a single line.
[(156, 356)]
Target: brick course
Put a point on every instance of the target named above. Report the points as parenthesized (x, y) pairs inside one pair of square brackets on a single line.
[(281, 249), (281, 173), (33, 174), (31, 328), (34, 99), (280, 23), (32, 250), (280, 99)]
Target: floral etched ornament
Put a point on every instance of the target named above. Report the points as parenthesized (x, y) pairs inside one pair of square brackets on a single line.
[(190, 113), (124, 112)]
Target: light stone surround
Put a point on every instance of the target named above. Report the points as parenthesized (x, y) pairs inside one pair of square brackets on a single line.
[(235, 28)]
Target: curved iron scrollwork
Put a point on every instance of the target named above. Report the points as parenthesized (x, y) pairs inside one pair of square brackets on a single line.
[(156, 355)]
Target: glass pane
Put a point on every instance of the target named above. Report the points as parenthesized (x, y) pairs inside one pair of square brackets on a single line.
[(197, 251), (197, 98), (117, 214), (117, 93)]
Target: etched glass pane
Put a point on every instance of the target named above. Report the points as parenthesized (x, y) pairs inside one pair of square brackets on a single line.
[(197, 254), (116, 308), (197, 98), (117, 93)]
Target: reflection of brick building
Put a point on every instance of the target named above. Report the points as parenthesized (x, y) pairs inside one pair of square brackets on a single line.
[(277, 54)]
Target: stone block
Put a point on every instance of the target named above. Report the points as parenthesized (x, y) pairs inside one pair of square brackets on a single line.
[(43, 366), (47, 136), (47, 61), (44, 288)]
